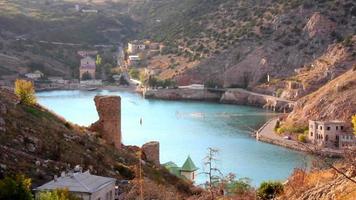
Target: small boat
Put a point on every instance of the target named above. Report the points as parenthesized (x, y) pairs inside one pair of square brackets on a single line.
[(92, 89)]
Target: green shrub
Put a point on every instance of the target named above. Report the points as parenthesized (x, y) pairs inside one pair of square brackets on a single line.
[(240, 186), (276, 127), (25, 91), (18, 187), (292, 129), (279, 92), (302, 138), (60, 194), (269, 190), (134, 73), (124, 171)]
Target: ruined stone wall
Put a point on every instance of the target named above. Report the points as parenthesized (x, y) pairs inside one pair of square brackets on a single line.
[(109, 123), (151, 152)]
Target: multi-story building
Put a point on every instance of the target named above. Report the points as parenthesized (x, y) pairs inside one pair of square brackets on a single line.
[(330, 134)]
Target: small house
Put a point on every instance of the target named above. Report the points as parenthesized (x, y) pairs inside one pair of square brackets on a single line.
[(187, 171), (82, 184), (134, 60)]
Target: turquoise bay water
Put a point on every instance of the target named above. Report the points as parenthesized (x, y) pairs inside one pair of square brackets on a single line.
[(188, 128)]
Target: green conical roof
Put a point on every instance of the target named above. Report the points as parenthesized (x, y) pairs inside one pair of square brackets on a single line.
[(189, 166)]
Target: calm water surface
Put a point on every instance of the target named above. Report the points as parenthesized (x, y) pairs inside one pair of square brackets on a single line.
[(188, 128)]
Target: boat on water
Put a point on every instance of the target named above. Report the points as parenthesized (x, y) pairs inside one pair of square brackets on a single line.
[(92, 89)]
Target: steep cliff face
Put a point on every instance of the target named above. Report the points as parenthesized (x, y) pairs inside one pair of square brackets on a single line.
[(243, 97), (335, 100)]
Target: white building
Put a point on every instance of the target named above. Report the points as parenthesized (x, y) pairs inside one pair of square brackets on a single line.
[(35, 75), (135, 46), (83, 185)]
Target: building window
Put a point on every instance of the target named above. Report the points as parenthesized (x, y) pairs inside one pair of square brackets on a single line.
[(326, 138), (342, 127), (328, 128), (311, 134), (337, 128), (321, 128)]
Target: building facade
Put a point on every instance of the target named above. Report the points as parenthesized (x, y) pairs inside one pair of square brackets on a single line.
[(35, 75), (87, 66), (83, 185), (134, 60), (135, 46), (187, 171), (330, 134)]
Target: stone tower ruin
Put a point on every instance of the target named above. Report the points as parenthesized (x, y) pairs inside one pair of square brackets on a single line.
[(109, 123)]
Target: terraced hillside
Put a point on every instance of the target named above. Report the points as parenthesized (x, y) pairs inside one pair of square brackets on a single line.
[(239, 43)]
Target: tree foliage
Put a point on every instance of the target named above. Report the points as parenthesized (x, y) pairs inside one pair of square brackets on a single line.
[(86, 76), (18, 187), (269, 190), (25, 91), (98, 60), (134, 73), (354, 123), (58, 194)]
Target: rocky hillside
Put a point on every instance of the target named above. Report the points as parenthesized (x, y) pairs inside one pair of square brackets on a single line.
[(320, 184), (335, 100), (27, 26), (36, 142), (239, 43)]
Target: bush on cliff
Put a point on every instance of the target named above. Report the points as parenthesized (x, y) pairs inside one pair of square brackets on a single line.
[(25, 91), (269, 190)]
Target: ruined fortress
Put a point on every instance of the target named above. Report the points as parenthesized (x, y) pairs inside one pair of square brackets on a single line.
[(109, 126), (109, 123)]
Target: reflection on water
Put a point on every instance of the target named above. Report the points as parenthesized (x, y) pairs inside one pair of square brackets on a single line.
[(188, 128)]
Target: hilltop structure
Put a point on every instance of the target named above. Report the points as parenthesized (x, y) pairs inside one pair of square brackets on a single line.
[(82, 184), (330, 134), (187, 171)]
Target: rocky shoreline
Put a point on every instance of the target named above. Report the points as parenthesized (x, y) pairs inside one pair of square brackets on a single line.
[(227, 96)]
